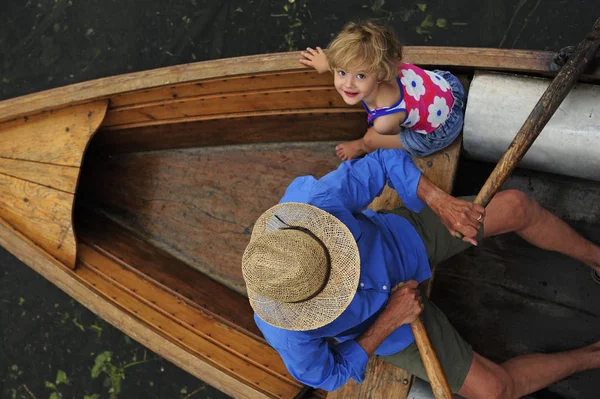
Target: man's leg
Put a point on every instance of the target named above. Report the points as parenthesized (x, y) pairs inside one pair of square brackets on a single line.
[(514, 211), (523, 375)]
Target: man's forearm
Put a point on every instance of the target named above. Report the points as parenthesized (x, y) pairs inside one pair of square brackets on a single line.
[(431, 194), (376, 334)]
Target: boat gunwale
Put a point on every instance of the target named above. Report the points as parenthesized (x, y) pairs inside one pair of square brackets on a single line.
[(508, 60)]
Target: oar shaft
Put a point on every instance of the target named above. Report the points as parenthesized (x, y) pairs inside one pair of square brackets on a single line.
[(541, 114), (435, 372)]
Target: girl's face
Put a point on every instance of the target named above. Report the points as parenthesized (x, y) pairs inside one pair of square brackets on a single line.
[(355, 85)]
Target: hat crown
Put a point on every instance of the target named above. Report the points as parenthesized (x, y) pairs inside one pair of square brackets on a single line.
[(285, 266)]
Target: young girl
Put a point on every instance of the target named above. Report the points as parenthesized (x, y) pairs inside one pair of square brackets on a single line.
[(408, 107)]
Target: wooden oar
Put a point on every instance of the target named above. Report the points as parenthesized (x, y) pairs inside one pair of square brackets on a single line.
[(541, 114), (435, 372)]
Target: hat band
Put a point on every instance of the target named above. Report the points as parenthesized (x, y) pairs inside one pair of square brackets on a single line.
[(327, 257)]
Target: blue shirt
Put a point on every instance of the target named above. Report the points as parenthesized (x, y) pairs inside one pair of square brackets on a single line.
[(391, 252)]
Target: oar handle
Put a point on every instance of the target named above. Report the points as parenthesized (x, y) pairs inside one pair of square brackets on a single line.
[(435, 372), (540, 115)]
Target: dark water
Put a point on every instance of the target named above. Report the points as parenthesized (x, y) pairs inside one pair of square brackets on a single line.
[(50, 344)]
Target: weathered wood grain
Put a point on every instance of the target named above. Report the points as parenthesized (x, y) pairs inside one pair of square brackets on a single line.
[(41, 213), (55, 137), (63, 178), (200, 204)]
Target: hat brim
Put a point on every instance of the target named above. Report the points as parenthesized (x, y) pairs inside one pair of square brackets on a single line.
[(339, 291)]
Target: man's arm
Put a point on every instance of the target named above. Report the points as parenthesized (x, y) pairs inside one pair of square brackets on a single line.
[(358, 182), (403, 307), (319, 364), (456, 214)]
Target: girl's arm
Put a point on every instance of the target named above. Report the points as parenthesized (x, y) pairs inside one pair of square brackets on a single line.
[(316, 59)]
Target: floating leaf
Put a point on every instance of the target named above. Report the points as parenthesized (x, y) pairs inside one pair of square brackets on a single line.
[(101, 361), (54, 395), (89, 31), (21, 301), (94, 396), (50, 385), (239, 9), (419, 30), (78, 324), (61, 378), (427, 22), (422, 6), (441, 23)]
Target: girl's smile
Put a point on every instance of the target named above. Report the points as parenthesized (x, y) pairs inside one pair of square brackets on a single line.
[(355, 85)]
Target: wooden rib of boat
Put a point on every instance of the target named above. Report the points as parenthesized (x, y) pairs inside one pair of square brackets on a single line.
[(136, 195)]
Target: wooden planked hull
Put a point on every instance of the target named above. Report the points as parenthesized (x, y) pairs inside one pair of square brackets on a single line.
[(184, 160)]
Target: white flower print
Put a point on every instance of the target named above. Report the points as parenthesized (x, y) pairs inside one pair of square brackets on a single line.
[(413, 83), (438, 81), (421, 131), (438, 112), (412, 119)]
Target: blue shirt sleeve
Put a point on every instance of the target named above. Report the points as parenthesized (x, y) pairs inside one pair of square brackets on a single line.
[(319, 364), (358, 182)]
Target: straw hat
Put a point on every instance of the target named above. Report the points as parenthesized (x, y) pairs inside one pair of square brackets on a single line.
[(301, 267)]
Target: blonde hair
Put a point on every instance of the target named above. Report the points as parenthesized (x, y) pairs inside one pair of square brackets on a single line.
[(366, 43)]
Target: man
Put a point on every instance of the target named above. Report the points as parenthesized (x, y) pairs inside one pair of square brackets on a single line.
[(319, 267)]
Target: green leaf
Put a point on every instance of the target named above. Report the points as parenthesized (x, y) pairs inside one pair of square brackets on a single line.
[(61, 378), (239, 9), (100, 363), (54, 395), (94, 396), (427, 22), (441, 23), (183, 391), (78, 324), (21, 301), (422, 6), (50, 385)]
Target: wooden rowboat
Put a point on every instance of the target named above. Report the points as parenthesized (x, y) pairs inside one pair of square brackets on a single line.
[(136, 195)]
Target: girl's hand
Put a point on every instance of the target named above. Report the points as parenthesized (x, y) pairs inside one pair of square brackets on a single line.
[(316, 59)]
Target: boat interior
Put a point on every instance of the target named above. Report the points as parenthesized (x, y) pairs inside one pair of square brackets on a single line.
[(172, 182)]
